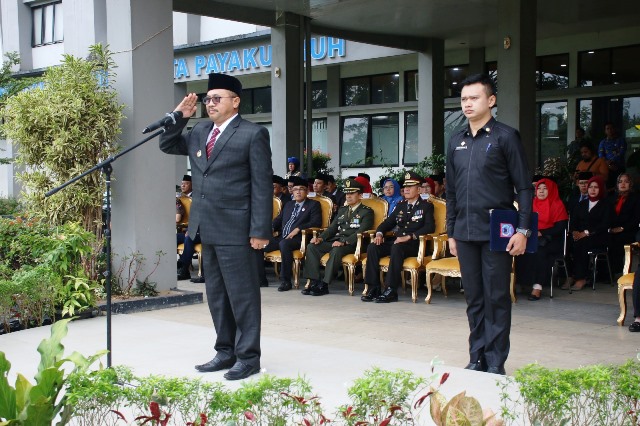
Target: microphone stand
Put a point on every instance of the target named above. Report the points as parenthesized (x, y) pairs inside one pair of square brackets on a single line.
[(106, 168)]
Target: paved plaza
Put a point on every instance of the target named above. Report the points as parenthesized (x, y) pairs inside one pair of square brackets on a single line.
[(334, 338)]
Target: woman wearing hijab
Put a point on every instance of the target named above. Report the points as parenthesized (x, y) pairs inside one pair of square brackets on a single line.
[(625, 216), (589, 228), (428, 188), (392, 193), (293, 168), (552, 225)]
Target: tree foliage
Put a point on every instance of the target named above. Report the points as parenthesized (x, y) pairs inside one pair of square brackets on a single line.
[(61, 128)]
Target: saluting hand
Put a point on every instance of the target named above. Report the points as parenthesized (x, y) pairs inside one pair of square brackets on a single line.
[(188, 106)]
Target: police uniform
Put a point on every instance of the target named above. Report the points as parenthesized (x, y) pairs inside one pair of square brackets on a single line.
[(406, 219), (344, 228)]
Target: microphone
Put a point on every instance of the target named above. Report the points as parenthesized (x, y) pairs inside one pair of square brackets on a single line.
[(169, 120)]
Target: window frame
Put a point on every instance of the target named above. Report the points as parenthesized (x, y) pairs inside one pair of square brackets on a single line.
[(46, 27)]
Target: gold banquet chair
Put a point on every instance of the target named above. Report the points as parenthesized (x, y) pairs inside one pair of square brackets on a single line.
[(625, 282), (298, 255), (380, 209)]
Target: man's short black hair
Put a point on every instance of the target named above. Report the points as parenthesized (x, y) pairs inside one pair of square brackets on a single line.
[(484, 79), (589, 145), (331, 179)]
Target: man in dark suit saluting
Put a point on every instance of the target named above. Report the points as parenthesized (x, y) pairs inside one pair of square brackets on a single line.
[(228, 153), (301, 213)]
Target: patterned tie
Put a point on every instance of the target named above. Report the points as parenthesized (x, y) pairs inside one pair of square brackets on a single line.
[(287, 227), (212, 141)]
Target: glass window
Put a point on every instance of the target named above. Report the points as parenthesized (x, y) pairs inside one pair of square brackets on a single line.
[(552, 135), (370, 141), (452, 77), (411, 138), (262, 100), (411, 86), (319, 135), (454, 120), (318, 94), (492, 70), (355, 91), (624, 64), (593, 67), (47, 22), (585, 113), (370, 90), (384, 88), (384, 140), (246, 102), (552, 72), (354, 141), (631, 119)]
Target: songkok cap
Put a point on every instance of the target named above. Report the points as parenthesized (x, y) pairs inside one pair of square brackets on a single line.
[(412, 179), (438, 178), (298, 181), (364, 175), (293, 160), (323, 177), (331, 179), (351, 186), (279, 180), (187, 178), (224, 81), (585, 175), (536, 178)]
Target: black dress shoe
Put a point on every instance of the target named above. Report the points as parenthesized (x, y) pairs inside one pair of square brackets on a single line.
[(197, 280), (320, 290), (634, 327), (182, 275), (313, 284), (285, 286), (476, 366), (388, 296), (240, 370), (371, 295), (533, 297), (496, 370), (216, 364)]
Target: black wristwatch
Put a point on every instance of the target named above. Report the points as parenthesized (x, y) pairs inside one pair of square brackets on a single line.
[(525, 232)]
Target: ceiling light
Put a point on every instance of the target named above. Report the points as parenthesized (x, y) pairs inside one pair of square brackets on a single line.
[(456, 69), (613, 73), (563, 65), (591, 52)]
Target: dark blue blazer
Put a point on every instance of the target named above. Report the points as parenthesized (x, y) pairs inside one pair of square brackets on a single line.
[(310, 216)]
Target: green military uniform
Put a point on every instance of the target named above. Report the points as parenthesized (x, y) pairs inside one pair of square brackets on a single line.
[(344, 228)]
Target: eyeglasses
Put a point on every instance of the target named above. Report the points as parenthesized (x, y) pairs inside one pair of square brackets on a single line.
[(214, 99), (299, 189)]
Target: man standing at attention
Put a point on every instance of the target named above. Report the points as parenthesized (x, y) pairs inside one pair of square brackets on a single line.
[(228, 153), (486, 169)]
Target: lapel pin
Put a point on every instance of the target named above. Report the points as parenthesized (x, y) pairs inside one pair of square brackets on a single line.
[(199, 153)]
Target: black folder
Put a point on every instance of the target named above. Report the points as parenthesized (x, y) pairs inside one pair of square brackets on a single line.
[(503, 224)]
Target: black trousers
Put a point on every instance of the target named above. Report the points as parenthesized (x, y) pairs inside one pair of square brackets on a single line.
[(286, 247), (397, 252), (636, 293), (616, 249), (535, 268), (485, 278), (188, 250), (581, 250), (233, 295)]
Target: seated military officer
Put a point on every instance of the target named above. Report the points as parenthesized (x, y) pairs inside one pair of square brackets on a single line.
[(411, 218), (301, 213), (339, 239)]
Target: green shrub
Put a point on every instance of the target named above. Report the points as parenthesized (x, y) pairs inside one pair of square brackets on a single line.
[(35, 298), (9, 206), (8, 290), (593, 395)]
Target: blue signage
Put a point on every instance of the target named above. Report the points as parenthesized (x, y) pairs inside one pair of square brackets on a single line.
[(250, 58)]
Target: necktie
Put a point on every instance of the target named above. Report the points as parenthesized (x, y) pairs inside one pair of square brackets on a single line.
[(212, 141), (287, 227)]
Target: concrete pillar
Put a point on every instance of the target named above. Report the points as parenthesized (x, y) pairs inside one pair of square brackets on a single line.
[(88, 25), (477, 61), (431, 98), (144, 187), (516, 70), (286, 91), (16, 33), (333, 118)]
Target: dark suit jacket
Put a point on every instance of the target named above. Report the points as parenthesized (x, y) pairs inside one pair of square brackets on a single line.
[(595, 221), (629, 216), (232, 191), (310, 216)]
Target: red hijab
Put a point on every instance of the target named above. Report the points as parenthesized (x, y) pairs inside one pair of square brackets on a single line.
[(603, 188), (551, 209), (432, 184)]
